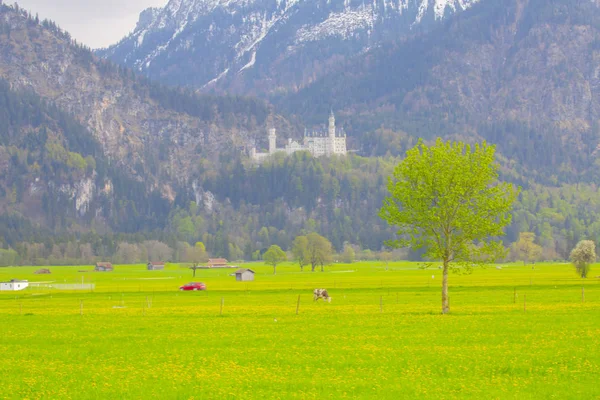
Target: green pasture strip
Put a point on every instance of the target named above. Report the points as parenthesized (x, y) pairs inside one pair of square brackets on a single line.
[(513, 333)]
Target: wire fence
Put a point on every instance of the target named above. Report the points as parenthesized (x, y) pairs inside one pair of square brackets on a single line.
[(74, 286)]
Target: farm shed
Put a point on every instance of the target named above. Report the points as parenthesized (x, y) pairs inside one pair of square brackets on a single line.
[(244, 274), (217, 263), (13, 285), (104, 267), (156, 266)]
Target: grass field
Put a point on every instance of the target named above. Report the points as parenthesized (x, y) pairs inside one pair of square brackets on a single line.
[(382, 337)]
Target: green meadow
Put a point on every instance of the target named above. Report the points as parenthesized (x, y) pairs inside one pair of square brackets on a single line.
[(513, 333)]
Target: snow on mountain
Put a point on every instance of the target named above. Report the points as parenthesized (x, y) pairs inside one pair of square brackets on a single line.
[(342, 24), (202, 42)]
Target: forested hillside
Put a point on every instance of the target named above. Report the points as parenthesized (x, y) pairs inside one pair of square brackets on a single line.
[(236, 210), (87, 144), (51, 165), (135, 121), (98, 163)]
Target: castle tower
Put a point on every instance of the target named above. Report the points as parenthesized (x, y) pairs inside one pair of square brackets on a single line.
[(331, 124), (330, 140), (272, 141)]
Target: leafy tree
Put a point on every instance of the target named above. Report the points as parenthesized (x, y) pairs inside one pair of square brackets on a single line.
[(526, 248), (87, 253), (366, 255), (8, 257), (300, 251), (127, 253), (349, 255), (446, 199), (319, 251), (197, 254), (263, 235), (158, 251), (274, 256), (185, 228), (201, 247), (386, 257), (582, 256)]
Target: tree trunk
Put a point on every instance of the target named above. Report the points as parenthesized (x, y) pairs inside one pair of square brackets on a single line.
[(274, 269), (445, 302), (322, 268), (312, 267)]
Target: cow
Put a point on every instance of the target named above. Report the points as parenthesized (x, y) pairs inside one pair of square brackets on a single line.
[(321, 294)]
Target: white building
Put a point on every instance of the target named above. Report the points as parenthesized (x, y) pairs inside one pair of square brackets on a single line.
[(318, 143), (13, 285)]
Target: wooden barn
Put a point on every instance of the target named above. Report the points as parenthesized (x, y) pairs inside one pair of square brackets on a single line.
[(156, 266), (217, 263), (244, 275), (104, 267)]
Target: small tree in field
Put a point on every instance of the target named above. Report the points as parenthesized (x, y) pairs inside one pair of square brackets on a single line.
[(386, 257), (526, 248), (582, 256), (274, 256), (349, 255), (446, 198), (300, 251), (319, 251)]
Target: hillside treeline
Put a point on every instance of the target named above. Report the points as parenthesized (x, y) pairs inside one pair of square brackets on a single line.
[(238, 209)]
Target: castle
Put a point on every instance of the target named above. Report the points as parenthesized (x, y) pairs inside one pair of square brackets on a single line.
[(318, 143)]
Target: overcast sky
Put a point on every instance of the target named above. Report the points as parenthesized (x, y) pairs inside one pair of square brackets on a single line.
[(96, 23)]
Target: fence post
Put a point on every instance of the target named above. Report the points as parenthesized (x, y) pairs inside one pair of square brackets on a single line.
[(582, 294), (80, 307), (298, 305)]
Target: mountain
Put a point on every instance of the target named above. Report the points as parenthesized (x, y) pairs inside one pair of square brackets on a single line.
[(94, 158), (98, 161), (521, 73), (265, 46), (110, 142)]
